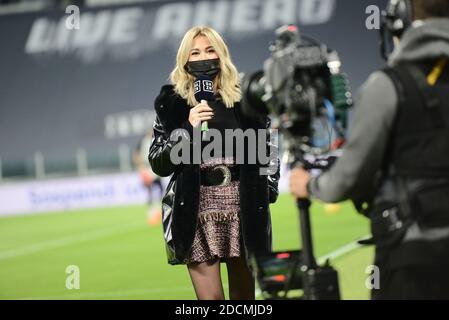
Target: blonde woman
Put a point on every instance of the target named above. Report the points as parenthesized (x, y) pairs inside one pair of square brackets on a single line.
[(216, 211)]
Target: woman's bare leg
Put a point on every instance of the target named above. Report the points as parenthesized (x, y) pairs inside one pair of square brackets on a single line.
[(206, 280), (241, 281)]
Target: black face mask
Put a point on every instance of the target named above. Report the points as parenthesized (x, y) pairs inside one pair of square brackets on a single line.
[(209, 67)]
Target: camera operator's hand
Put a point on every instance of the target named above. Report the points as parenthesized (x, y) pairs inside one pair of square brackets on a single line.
[(298, 183), (201, 112)]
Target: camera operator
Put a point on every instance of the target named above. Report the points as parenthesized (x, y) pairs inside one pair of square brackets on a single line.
[(395, 166)]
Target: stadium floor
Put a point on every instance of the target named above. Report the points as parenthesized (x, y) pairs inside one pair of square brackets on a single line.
[(120, 256)]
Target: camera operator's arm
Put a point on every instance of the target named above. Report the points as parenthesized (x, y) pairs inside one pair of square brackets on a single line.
[(353, 175)]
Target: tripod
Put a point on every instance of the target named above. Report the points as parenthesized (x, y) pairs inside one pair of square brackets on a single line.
[(299, 268), (320, 283)]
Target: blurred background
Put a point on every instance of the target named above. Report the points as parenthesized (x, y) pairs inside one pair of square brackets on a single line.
[(75, 105)]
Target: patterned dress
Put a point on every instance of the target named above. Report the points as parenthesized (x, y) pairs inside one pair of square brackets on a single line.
[(218, 233)]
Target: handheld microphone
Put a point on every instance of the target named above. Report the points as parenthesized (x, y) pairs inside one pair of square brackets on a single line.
[(204, 90)]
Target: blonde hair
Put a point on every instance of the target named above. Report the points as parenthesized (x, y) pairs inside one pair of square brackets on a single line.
[(227, 81)]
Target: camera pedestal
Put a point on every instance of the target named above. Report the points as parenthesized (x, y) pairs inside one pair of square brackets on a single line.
[(319, 283)]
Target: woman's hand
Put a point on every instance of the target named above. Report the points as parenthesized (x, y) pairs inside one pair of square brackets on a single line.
[(201, 112)]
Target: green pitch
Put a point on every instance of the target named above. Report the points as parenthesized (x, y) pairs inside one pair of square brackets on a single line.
[(121, 257)]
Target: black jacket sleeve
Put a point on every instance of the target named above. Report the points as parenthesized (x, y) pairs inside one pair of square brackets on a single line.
[(159, 153), (172, 113)]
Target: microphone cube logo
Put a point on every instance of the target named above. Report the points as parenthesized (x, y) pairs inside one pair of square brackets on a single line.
[(197, 86), (208, 86)]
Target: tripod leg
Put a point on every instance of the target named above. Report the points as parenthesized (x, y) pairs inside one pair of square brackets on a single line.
[(306, 233), (292, 275)]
